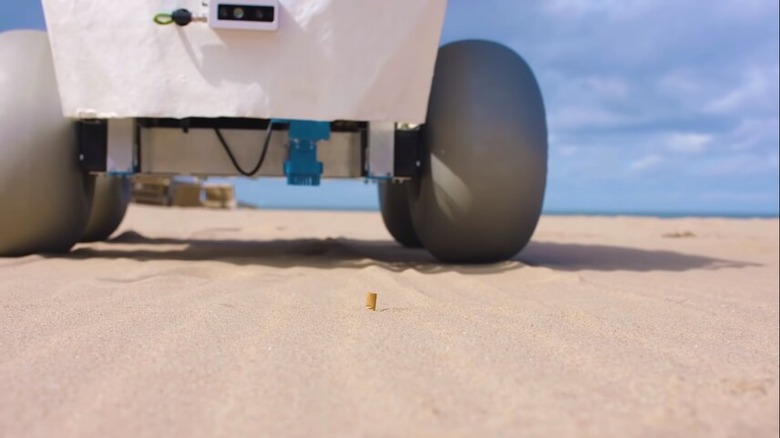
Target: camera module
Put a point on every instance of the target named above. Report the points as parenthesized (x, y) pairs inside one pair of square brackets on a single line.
[(231, 12)]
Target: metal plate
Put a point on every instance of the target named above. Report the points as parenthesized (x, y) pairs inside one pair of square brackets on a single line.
[(199, 153), (381, 150)]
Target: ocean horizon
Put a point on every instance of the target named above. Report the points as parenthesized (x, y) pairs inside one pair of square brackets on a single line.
[(351, 195), (662, 215)]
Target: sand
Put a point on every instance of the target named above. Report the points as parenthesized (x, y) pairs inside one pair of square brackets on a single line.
[(253, 323)]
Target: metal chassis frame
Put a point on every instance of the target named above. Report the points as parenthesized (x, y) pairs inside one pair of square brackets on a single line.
[(370, 150)]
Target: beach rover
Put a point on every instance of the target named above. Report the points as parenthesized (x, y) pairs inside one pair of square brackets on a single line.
[(455, 136)]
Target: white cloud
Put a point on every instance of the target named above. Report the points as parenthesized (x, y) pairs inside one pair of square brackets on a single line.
[(735, 166), (611, 8), (758, 88), (754, 133), (574, 117), (645, 163), (689, 143), (568, 151), (648, 91)]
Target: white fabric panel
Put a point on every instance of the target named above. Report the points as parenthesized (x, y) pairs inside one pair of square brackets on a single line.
[(330, 59)]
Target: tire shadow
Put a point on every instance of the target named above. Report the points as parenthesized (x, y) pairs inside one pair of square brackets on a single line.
[(579, 257), (358, 254)]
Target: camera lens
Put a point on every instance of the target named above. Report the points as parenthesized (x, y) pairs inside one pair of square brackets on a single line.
[(238, 13)]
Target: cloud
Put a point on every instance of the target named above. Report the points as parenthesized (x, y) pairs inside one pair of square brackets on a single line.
[(689, 143), (645, 163), (758, 90), (736, 166), (656, 91)]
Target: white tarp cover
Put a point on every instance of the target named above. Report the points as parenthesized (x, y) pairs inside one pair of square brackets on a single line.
[(330, 60)]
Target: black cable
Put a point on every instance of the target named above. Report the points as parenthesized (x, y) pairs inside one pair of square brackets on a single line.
[(260, 162)]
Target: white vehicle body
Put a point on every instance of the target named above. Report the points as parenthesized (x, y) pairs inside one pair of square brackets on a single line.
[(368, 60), (455, 136)]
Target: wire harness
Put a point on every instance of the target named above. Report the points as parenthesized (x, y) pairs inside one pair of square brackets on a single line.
[(260, 161)]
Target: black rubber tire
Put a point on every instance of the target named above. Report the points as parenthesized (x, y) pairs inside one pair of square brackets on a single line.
[(394, 203), (44, 195), (109, 205), (484, 168)]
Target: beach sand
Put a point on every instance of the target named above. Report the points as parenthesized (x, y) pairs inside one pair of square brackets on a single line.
[(253, 323)]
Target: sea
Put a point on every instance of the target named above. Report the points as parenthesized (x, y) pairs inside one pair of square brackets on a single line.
[(349, 195)]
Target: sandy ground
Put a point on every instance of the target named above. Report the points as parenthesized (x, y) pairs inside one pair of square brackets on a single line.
[(252, 323)]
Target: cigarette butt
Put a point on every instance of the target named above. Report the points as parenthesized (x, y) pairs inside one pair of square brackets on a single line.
[(371, 301)]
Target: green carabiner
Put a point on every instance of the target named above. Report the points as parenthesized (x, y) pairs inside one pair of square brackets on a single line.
[(163, 19)]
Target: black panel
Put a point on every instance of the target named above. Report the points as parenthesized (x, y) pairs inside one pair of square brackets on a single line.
[(262, 14), (238, 123), (92, 137), (205, 123), (407, 153)]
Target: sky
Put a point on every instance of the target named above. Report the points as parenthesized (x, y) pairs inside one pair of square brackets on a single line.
[(654, 106)]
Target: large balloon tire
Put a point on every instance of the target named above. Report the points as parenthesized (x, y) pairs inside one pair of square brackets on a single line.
[(44, 195), (480, 191), (109, 205), (394, 204)]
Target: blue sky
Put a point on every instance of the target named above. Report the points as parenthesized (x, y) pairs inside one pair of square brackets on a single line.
[(655, 106)]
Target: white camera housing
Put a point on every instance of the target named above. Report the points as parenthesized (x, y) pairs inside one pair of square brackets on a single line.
[(244, 14)]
